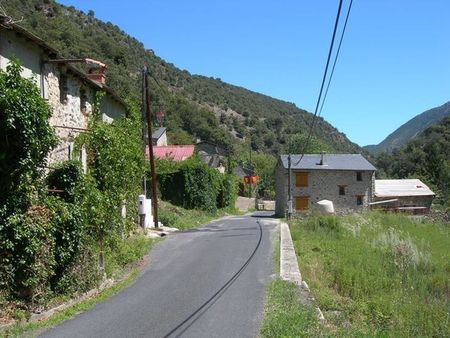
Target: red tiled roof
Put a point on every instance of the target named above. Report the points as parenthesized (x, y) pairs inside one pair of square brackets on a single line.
[(175, 153)]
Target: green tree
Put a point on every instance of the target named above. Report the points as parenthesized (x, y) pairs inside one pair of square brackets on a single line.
[(299, 143)]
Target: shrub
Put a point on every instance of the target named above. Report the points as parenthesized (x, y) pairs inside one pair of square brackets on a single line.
[(25, 136), (69, 177), (193, 185), (27, 255)]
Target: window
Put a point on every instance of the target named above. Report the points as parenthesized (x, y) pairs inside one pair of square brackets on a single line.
[(301, 179), (359, 176), (63, 89), (83, 100), (342, 190), (359, 200), (301, 203)]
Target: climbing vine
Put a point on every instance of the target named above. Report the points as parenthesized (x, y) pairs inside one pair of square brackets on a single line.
[(26, 234)]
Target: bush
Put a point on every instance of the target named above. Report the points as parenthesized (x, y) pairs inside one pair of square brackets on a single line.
[(27, 255), (168, 217), (193, 185), (67, 176), (68, 223)]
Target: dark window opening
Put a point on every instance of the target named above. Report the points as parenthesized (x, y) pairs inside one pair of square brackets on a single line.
[(359, 200), (359, 176), (342, 190), (63, 88), (83, 100)]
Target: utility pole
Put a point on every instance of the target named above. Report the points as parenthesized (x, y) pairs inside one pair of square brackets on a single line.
[(144, 131), (251, 177), (289, 215), (150, 146)]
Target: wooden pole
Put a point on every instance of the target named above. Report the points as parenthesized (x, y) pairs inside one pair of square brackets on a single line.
[(150, 147)]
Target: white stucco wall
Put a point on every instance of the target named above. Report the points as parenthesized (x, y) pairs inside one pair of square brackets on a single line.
[(30, 55), (162, 141), (111, 109)]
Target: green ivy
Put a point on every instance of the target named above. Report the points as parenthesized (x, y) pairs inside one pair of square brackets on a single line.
[(25, 136), (26, 236)]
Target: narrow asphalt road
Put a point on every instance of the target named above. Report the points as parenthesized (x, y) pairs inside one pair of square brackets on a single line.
[(206, 282)]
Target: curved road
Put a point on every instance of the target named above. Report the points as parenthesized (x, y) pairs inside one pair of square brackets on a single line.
[(205, 282)]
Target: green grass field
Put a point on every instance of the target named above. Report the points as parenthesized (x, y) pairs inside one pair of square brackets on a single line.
[(377, 274)]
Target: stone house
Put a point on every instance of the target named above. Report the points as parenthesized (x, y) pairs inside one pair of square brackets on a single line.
[(406, 195), (213, 155), (345, 179), (69, 91)]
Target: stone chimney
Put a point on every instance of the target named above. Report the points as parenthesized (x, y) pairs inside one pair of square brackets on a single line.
[(322, 158), (95, 70)]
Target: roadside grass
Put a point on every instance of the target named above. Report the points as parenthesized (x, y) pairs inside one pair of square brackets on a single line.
[(184, 219), (285, 316), (377, 274)]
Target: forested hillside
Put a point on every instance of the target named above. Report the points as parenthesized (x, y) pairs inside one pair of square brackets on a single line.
[(411, 129), (426, 157), (196, 107)]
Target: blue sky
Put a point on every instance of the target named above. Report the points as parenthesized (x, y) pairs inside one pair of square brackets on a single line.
[(393, 65)]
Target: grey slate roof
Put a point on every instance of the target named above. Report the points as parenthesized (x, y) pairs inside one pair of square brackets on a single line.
[(158, 133), (331, 162)]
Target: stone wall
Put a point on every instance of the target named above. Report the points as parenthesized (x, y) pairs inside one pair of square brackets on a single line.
[(68, 118), (281, 191), (71, 110), (405, 202), (324, 184)]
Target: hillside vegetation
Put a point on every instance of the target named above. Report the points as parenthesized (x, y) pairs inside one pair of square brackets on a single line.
[(196, 107), (410, 129)]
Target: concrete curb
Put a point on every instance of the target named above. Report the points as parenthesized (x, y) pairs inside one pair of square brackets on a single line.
[(290, 271), (288, 260)]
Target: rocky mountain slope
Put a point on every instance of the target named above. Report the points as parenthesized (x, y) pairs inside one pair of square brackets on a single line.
[(411, 129)]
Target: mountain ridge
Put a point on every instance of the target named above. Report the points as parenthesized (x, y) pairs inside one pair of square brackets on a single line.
[(196, 106), (411, 129)]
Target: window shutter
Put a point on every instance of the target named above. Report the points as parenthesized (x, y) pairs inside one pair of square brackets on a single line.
[(301, 179)]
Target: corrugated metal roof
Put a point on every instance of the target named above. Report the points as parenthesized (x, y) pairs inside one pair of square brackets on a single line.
[(397, 188), (175, 153), (330, 162)]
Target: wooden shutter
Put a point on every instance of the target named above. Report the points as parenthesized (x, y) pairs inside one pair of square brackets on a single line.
[(301, 203), (301, 179)]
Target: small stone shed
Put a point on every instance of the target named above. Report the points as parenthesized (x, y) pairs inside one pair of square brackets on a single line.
[(345, 179), (406, 195)]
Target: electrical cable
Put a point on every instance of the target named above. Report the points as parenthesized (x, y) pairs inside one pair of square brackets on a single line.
[(336, 57), (323, 81)]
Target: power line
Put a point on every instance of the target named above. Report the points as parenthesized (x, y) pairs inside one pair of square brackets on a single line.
[(336, 57), (323, 81)]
